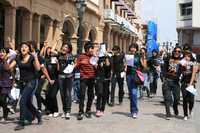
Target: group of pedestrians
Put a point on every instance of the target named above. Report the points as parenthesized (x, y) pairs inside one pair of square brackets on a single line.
[(95, 74)]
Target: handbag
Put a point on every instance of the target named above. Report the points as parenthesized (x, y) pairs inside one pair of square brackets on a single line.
[(139, 78)]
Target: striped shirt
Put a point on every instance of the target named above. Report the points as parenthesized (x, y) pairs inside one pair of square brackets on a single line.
[(87, 70)]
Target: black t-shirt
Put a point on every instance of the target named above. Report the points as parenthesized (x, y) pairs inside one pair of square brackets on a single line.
[(103, 71), (51, 68), (117, 62), (27, 70), (172, 69), (63, 63)]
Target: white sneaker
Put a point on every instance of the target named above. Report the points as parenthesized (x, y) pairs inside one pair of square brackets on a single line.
[(3, 120), (191, 114), (135, 115), (67, 116), (63, 115), (56, 114), (50, 115), (185, 118)]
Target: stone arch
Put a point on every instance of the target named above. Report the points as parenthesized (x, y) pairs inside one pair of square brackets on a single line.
[(6, 2), (92, 35), (85, 31)]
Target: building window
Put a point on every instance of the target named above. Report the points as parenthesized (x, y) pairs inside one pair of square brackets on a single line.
[(186, 9)]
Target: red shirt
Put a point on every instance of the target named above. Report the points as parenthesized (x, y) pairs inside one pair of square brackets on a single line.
[(87, 70)]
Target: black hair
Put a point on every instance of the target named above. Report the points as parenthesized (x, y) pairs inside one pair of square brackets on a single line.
[(177, 47), (88, 45), (69, 46), (155, 51), (27, 44), (134, 45), (187, 47), (33, 44), (116, 48), (144, 49)]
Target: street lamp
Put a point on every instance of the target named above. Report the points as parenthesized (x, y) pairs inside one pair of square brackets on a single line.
[(80, 6)]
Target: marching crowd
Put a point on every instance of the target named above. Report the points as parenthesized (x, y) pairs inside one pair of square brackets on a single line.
[(95, 74)]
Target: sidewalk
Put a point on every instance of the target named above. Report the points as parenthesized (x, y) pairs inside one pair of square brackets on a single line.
[(117, 120)]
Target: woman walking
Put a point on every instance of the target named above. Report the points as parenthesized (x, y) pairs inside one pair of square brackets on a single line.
[(28, 64), (188, 70), (65, 79), (5, 82), (133, 62)]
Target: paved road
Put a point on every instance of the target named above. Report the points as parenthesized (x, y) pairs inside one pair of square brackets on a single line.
[(117, 120)]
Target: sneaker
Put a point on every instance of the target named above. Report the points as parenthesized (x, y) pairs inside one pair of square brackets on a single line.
[(98, 113), (19, 127), (3, 120), (88, 115), (102, 113), (168, 118), (120, 103), (63, 115), (191, 114), (39, 119), (111, 104), (11, 110), (67, 116), (185, 118), (56, 114), (80, 116), (50, 115), (134, 116)]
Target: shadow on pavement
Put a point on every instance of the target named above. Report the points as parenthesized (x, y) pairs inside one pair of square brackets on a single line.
[(122, 113)]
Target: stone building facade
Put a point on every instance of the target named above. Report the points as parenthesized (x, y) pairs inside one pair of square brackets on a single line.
[(55, 21)]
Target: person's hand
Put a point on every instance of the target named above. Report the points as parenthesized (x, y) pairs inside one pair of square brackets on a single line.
[(45, 44), (34, 54), (52, 82), (107, 62), (43, 77)]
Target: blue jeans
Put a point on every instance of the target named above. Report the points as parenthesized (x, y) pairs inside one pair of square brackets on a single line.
[(76, 90), (27, 109), (133, 94), (65, 86)]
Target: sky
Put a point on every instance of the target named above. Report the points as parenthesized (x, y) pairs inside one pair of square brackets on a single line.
[(164, 13)]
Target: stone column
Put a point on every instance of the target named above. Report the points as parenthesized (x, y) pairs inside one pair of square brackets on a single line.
[(27, 26), (49, 32), (124, 44), (111, 41), (36, 29), (10, 27), (115, 38), (73, 41), (107, 35)]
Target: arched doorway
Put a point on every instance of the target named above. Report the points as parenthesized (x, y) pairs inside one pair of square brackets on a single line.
[(68, 30), (92, 36), (2, 25)]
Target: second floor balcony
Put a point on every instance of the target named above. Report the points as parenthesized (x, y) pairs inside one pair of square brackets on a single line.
[(114, 19)]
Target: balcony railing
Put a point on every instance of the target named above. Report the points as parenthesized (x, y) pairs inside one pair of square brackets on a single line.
[(110, 16)]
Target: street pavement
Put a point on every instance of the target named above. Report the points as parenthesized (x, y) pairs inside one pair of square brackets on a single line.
[(117, 119)]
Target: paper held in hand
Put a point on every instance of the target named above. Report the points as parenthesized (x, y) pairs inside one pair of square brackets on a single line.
[(69, 69), (192, 90)]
